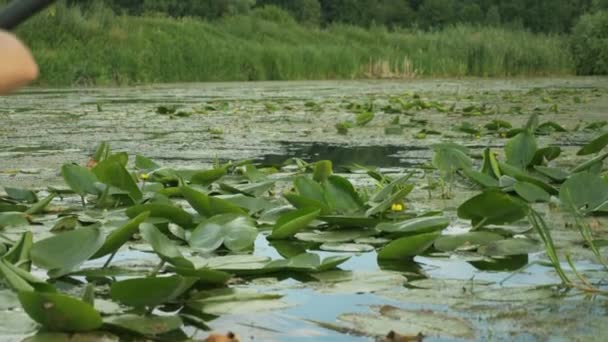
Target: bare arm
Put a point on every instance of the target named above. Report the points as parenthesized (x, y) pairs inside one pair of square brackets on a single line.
[(17, 66)]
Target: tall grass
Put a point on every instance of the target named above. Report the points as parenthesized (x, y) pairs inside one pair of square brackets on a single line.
[(99, 47)]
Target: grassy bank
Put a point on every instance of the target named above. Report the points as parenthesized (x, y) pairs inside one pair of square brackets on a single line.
[(76, 48)]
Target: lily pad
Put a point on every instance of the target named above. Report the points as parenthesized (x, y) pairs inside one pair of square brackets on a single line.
[(236, 302), (346, 247), (58, 312), (120, 236), (594, 146), (291, 223), (63, 253), (347, 282), (145, 325), (172, 213), (509, 247), (492, 207), (164, 247), (448, 243), (236, 232), (415, 225), (150, 292), (334, 236), (408, 322), (587, 192), (531, 192), (408, 247)]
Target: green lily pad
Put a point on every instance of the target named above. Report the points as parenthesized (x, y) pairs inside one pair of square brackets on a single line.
[(236, 232), (390, 200), (63, 253), (163, 246), (509, 247), (145, 325), (594, 146), (80, 179), (291, 223), (207, 177), (415, 225), (21, 195), (408, 247), (346, 247), (531, 193), (58, 312), (334, 236), (449, 243), (172, 213), (120, 236), (113, 173), (341, 196), (209, 206), (347, 282), (406, 322), (79, 337), (587, 192), (150, 292), (236, 302), (350, 221), (492, 207), (520, 150), (13, 219), (556, 174)]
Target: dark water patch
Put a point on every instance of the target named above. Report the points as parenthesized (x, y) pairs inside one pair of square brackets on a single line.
[(345, 155)]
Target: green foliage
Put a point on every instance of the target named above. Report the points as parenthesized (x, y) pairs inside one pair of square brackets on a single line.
[(76, 47), (589, 44)]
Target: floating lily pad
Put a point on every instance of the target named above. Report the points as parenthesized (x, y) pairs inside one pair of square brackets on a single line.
[(346, 247), (347, 282), (142, 292), (236, 302), (334, 236), (492, 207), (531, 192), (509, 247), (145, 325), (408, 247), (62, 253), (236, 232), (448, 243), (289, 224), (408, 322), (416, 225), (58, 312), (584, 191), (166, 249)]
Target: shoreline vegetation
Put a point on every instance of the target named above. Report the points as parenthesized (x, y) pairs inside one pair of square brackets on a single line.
[(98, 47)]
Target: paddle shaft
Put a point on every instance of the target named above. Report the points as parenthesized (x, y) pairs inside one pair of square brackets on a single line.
[(19, 11)]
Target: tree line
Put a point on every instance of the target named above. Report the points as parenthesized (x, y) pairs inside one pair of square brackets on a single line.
[(550, 16)]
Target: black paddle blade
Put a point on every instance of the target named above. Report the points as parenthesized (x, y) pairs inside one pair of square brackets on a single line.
[(19, 11)]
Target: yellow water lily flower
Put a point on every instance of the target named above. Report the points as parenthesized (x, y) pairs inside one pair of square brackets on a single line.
[(397, 207)]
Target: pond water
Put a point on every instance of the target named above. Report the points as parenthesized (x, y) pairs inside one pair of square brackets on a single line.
[(268, 123)]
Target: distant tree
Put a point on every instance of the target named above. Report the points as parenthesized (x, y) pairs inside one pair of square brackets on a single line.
[(590, 44), (356, 12), (600, 4), (493, 16), (436, 13), (394, 13), (305, 11), (469, 12)]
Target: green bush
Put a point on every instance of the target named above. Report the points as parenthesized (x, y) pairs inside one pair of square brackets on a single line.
[(80, 47), (590, 44)]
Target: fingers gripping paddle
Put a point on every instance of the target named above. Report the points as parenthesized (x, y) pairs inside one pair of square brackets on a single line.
[(19, 11)]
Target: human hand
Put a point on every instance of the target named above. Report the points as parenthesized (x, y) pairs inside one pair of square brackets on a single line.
[(17, 65)]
